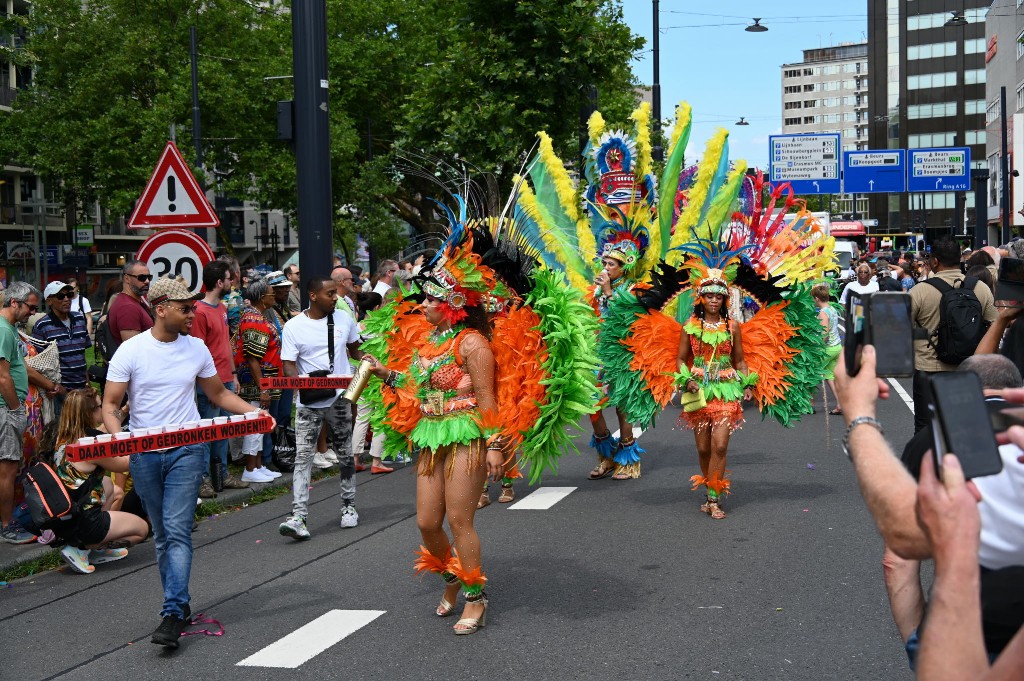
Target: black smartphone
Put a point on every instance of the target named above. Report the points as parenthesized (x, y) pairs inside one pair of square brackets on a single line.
[(961, 424), (882, 320)]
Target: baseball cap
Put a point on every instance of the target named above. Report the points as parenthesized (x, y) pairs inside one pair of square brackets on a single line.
[(277, 279), (169, 288), (55, 287)]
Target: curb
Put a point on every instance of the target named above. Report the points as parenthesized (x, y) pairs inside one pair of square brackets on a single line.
[(11, 555)]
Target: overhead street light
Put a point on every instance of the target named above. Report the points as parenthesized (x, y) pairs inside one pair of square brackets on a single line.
[(742, 121), (756, 27), (957, 20)]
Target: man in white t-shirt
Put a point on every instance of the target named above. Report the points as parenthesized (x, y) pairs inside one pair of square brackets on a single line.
[(159, 370), (864, 283), (304, 349), (80, 303), (386, 272)]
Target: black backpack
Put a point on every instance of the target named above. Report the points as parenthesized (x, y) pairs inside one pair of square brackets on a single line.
[(49, 501), (103, 338), (961, 322)]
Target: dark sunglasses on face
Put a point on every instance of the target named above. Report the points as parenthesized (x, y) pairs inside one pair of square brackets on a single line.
[(191, 309), (31, 308), (141, 277), (63, 296)]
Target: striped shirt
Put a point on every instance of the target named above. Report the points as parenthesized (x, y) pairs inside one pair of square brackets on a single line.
[(72, 340)]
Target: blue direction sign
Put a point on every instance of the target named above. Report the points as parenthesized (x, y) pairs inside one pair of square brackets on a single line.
[(940, 170), (874, 170), (810, 163)]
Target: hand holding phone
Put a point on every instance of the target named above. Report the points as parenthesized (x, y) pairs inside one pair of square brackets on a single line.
[(882, 320), (961, 423)]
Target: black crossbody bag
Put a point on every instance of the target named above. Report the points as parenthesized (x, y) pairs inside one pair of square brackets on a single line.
[(311, 395)]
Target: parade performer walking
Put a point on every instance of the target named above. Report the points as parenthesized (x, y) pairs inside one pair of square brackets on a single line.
[(495, 359), (728, 315), (604, 236)]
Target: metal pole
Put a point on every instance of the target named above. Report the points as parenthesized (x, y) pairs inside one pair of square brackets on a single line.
[(45, 259), (980, 179), (197, 136), (656, 152), (312, 138), (1004, 170)]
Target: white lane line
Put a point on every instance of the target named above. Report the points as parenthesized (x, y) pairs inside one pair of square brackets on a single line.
[(907, 399), (637, 432), (311, 639), (542, 499)]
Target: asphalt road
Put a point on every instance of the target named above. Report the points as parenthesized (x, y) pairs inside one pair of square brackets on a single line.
[(618, 580)]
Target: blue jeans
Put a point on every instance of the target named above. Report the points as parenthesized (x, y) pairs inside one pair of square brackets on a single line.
[(168, 484), (218, 448), (281, 410)]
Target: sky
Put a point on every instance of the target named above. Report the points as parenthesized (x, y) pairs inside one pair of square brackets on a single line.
[(724, 72)]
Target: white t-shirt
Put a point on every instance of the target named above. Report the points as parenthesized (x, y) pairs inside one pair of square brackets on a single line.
[(86, 307), (1002, 513), (161, 378), (305, 343), (856, 287), (381, 288)]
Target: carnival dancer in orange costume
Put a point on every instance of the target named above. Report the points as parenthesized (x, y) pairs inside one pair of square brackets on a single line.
[(712, 370), (445, 392)]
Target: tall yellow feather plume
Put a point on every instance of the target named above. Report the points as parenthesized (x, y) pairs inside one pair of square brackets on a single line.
[(563, 183), (683, 115), (698, 193), (528, 202), (587, 241), (641, 116), (595, 126)]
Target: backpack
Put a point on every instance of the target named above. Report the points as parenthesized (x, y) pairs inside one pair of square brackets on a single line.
[(961, 323), (103, 338), (49, 501)]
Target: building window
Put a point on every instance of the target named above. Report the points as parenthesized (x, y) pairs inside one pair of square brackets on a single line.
[(972, 107), (992, 112), (930, 80), (1020, 46), (792, 121), (931, 51), (808, 72), (974, 76), (931, 110), (792, 73), (809, 87), (811, 120), (850, 116), (937, 139), (975, 137), (791, 105), (810, 103), (791, 89), (926, 21), (974, 46), (1020, 100), (830, 101)]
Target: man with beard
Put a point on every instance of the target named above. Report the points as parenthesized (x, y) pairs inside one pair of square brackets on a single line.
[(159, 370)]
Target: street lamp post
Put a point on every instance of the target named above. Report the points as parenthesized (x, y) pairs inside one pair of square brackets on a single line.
[(656, 152)]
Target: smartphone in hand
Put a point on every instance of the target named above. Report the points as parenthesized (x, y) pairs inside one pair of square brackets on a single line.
[(882, 320), (962, 425)]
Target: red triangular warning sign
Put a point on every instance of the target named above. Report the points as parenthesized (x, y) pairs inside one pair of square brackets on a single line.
[(172, 197)]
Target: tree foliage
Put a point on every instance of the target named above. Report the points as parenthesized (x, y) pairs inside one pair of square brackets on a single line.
[(467, 81)]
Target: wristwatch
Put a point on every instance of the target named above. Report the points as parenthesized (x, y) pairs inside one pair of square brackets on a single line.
[(859, 421)]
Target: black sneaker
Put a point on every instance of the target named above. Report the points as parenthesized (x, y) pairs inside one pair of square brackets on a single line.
[(169, 631)]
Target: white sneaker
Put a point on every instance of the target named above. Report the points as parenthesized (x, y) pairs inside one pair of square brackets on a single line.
[(319, 461), (274, 475), (294, 527), (256, 476), (349, 517), (331, 456)]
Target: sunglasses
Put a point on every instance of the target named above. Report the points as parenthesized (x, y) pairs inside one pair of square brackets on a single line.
[(191, 309), (63, 296), (31, 308), (141, 277)]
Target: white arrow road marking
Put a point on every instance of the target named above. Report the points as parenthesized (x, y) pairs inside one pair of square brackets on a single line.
[(311, 639), (542, 499)]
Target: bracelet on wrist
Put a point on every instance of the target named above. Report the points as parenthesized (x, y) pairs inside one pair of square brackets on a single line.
[(860, 421)]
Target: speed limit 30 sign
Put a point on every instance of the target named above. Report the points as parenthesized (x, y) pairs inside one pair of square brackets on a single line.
[(178, 253)]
